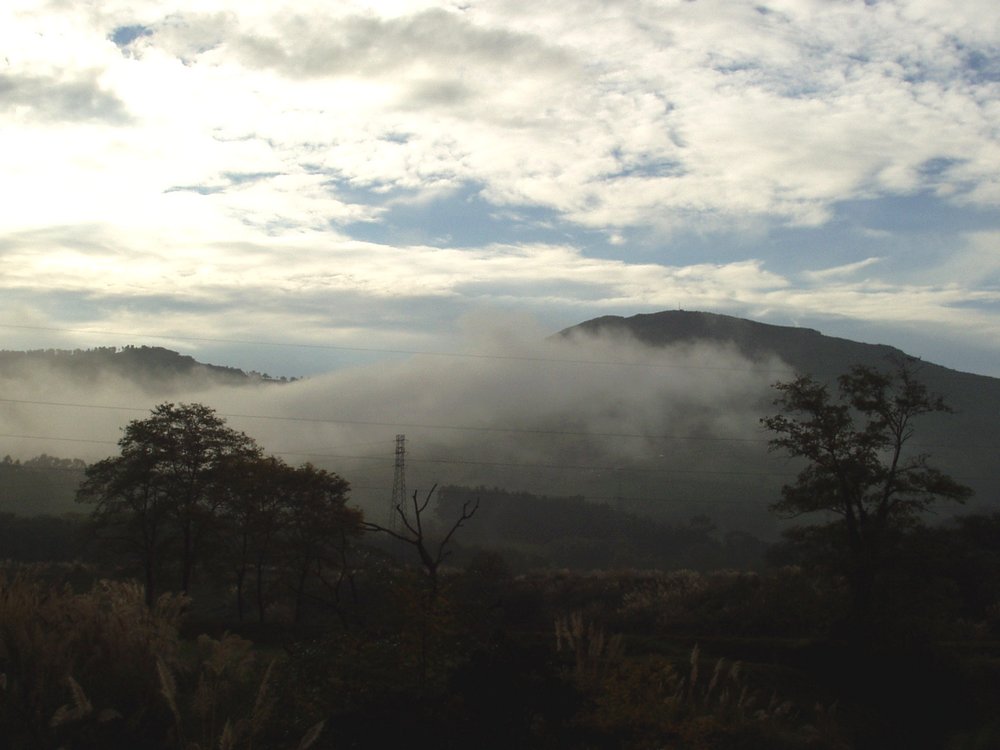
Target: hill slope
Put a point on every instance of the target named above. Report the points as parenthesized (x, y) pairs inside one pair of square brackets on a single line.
[(966, 443), (151, 367), (804, 349)]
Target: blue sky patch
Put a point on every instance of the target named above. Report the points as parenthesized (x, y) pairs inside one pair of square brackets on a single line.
[(125, 35)]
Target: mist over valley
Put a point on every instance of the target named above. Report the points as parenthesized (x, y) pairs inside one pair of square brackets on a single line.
[(656, 415)]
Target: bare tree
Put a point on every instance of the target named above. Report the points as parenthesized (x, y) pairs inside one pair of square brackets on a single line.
[(430, 558)]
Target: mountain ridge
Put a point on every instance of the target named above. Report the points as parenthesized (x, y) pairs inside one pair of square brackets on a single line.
[(152, 367), (962, 442), (753, 338)]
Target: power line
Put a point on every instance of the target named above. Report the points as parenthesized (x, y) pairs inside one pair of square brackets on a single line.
[(108, 407), (61, 439), (502, 464), (631, 499), (453, 461), (415, 425), (430, 426), (636, 500), (411, 352)]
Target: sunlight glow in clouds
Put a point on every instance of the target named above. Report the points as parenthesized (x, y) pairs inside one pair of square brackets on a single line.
[(246, 169)]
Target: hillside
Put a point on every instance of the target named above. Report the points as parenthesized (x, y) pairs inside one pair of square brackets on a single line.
[(964, 442), (153, 368)]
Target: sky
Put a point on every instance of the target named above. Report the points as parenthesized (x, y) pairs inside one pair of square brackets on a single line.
[(295, 188)]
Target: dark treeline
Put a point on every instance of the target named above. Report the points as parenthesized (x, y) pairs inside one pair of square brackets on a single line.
[(44, 538), (43, 485), (533, 531)]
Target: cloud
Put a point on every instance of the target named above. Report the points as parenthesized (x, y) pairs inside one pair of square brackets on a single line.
[(972, 263), (72, 98), (221, 167), (848, 269), (312, 285), (638, 116), (641, 116), (71, 257), (366, 45)]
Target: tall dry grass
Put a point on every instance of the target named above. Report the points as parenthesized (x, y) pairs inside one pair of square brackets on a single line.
[(101, 669), (653, 701), (81, 663)]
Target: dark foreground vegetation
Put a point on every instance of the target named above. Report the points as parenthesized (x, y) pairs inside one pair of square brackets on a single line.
[(620, 659), (209, 596)]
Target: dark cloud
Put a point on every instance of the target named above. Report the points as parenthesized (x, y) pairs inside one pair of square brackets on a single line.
[(79, 99), (438, 93), (309, 48)]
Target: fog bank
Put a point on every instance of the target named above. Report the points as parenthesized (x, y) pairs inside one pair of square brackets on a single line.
[(662, 430)]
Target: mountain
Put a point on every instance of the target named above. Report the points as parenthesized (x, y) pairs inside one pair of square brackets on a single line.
[(153, 368), (806, 350), (965, 442)]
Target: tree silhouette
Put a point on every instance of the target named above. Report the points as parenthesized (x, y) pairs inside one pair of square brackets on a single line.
[(859, 467), (251, 508), (431, 556), (315, 527), (131, 512), (163, 486), (416, 536)]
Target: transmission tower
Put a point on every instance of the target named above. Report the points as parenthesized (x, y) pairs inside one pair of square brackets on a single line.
[(398, 483)]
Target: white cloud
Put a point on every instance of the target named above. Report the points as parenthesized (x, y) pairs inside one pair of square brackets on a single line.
[(225, 150), (848, 269), (290, 281), (310, 263), (611, 116), (973, 263)]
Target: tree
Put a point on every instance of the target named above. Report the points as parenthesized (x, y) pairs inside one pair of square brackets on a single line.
[(284, 522), (858, 466), (431, 558), (163, 487), (252, 509), (315, 527), (130, 511), (415, 535)]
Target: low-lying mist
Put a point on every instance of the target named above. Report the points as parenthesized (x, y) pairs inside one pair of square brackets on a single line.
[(668, 431)]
